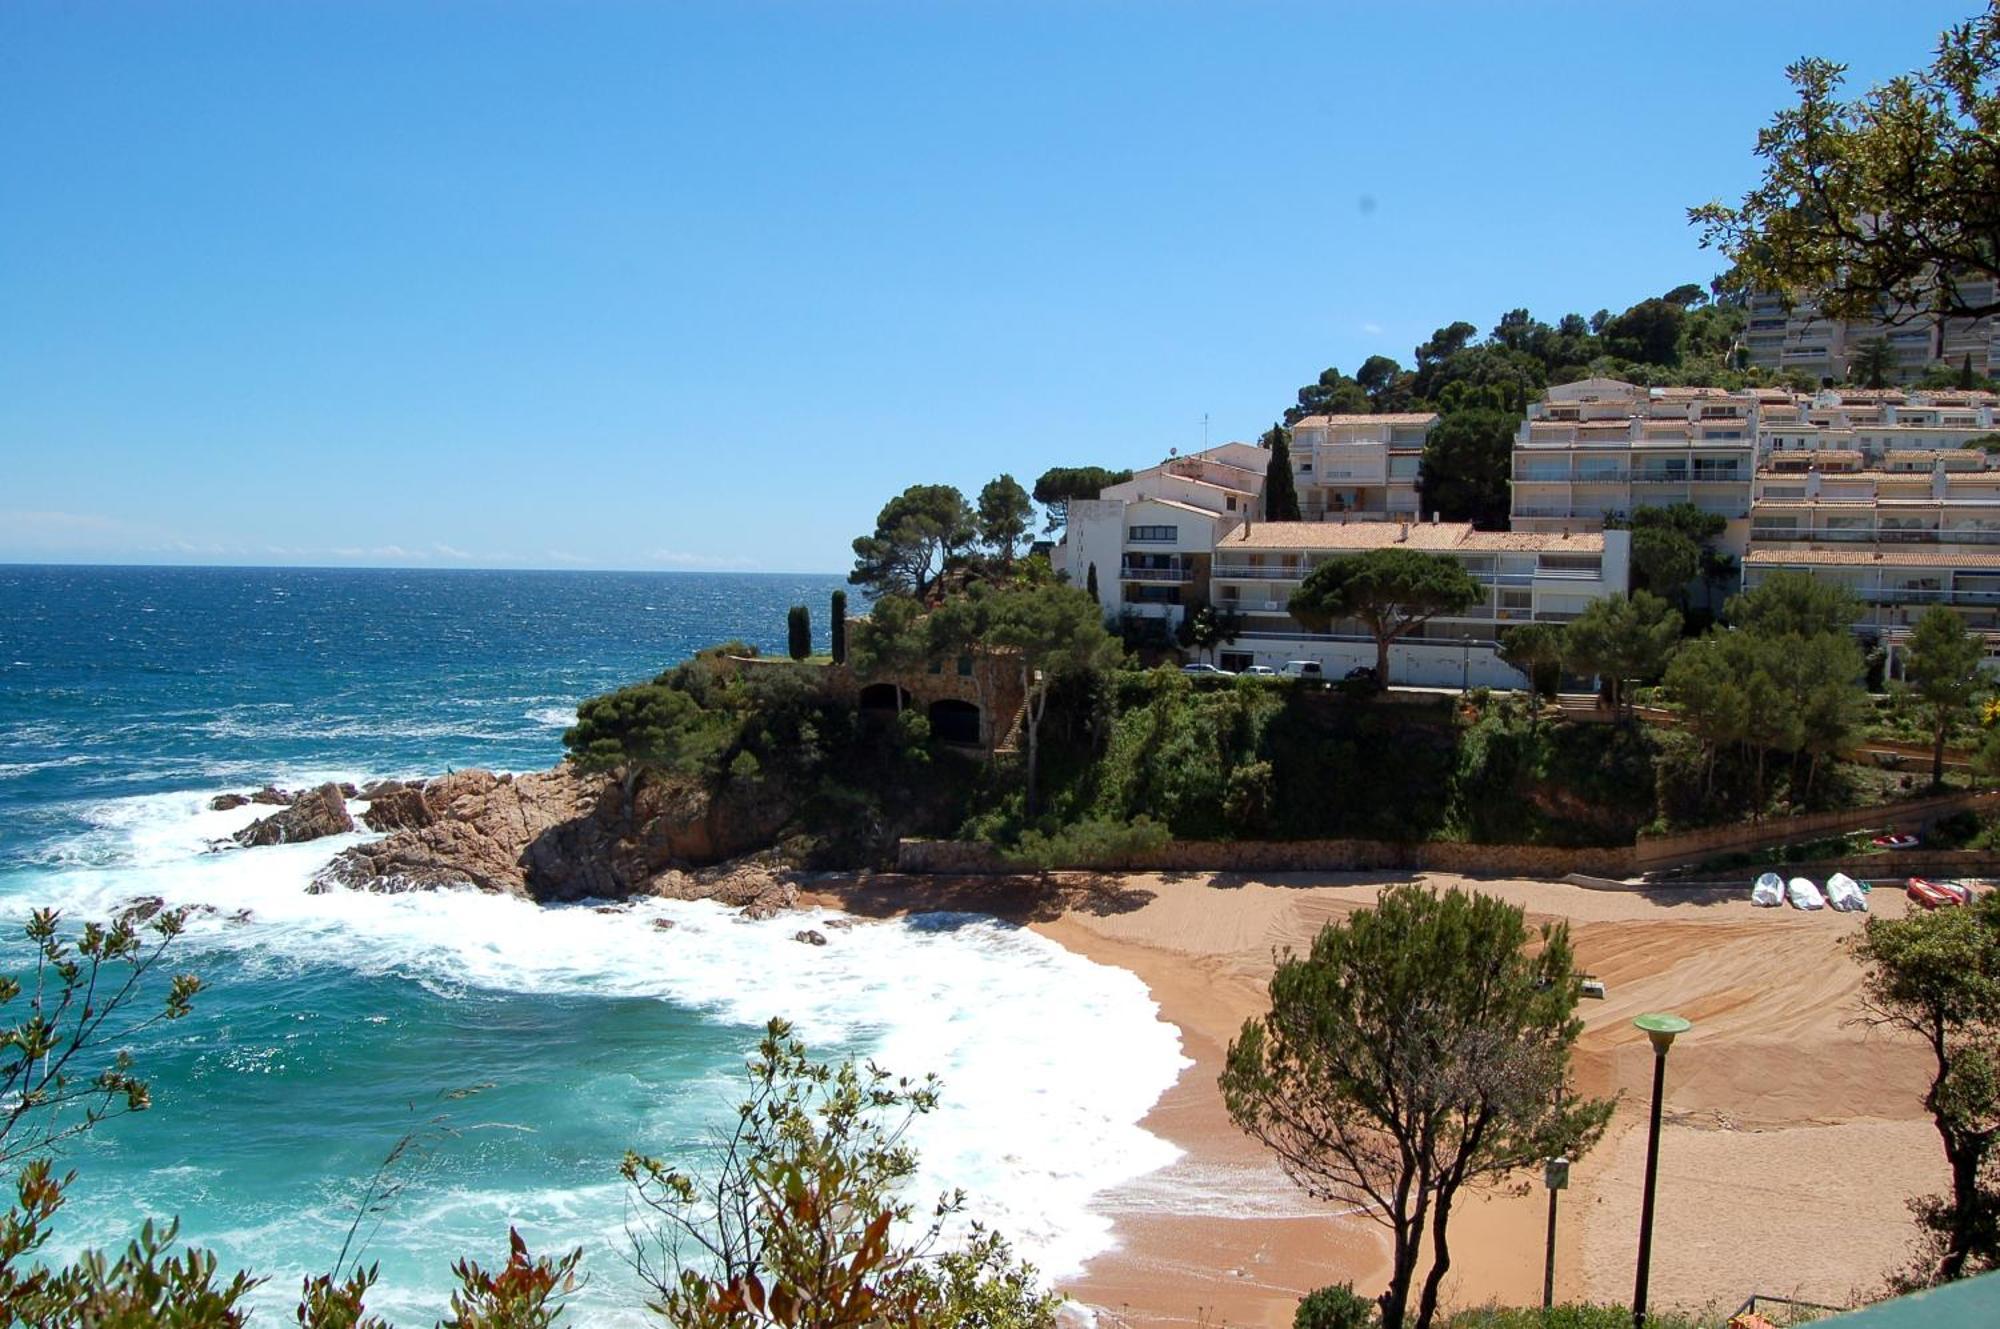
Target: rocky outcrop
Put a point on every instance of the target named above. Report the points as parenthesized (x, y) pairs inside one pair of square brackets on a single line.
[(226, 802), (810, 937), (312, 815), (396, 806), (561, 835)]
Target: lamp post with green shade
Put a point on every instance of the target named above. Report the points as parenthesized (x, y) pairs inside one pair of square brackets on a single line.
[(1660, 1029)]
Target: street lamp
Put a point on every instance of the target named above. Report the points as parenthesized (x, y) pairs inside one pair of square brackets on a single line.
[(1555, 1176), (1660, 1029), (1465, 671)]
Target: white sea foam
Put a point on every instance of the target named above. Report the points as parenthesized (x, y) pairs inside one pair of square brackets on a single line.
[(556, 717), (1049, 1060)]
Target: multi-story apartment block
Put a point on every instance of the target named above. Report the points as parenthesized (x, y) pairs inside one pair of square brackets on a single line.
[(1146, 542), (1359, 467), (1525, 577), (1800, 340), (1600, 448), (1896, 583)]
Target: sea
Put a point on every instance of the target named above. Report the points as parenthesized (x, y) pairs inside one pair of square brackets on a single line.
[(523, 1048)]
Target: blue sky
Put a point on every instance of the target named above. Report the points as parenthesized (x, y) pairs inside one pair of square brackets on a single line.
[(686, 285)]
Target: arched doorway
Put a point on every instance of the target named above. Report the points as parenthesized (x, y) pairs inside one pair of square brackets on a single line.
[(883, 697), (954, 721)]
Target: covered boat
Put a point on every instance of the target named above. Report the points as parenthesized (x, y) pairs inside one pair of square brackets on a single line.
[(1845, 894), (1768, 891), (1803, 894)]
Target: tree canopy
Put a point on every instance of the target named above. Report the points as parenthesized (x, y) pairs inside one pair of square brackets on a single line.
[(1420, 1047), (1391, 591), (1005, 515), (1623, 640), (1059, 485), (916, 534), (1281, 493), (1467, 464), (1881, 204), (1941, 660)]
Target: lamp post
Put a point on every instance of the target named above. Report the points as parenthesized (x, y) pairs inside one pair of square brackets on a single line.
[(1555, 1176), (1660, 1030), (1465, 668)]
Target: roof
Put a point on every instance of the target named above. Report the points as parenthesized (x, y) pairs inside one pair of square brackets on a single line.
[(1390, 418), (1430, 537), (1965, 1304), (1896, 556)]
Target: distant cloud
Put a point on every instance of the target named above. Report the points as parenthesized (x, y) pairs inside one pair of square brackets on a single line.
[(446, 551), (51, 532), (563, 556), (1372, 329), (674, 558)]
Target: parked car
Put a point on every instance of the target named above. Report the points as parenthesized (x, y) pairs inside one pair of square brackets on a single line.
[(1260, 671), (1307, 669), (1207, 670), (1363, 674)]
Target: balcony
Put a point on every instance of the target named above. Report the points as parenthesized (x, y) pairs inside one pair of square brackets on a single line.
[(1255, 606), (1247, 572), (1167, 576)]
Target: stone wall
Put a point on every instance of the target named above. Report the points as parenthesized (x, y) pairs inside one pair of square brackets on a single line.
[(958, 857), (1661, 851)]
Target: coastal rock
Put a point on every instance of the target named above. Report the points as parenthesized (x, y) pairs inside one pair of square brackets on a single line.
[(810, 937), (227, 802), (663, 925), (312, 815), (563, 835), (141, 909), (273, 796), (395, 806)]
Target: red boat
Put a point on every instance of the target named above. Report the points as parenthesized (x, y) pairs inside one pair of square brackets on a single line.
[(1894, 842), (1937, 894)]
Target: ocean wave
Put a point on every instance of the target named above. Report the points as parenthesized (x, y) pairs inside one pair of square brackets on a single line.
[(1050, 1061), (557, 717)]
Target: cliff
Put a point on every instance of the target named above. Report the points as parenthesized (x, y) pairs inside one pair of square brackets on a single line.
[(563, 835)]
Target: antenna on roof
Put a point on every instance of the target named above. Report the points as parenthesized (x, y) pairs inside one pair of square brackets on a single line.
[(1204, 431)]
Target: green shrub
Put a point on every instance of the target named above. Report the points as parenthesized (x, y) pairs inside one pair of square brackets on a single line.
[(1337, 1306), (1578, 1315)]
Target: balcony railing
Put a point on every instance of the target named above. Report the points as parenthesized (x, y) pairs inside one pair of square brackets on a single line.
[(1874, 535), (1245, 572), (1171, 576)]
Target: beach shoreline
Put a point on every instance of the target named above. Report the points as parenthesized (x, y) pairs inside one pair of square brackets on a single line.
[(1778, 1102)]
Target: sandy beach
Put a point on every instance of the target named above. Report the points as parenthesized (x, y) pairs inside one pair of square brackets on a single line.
[(1794, 1134)]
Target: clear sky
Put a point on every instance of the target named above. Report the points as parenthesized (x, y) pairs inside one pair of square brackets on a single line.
[(688, 285)]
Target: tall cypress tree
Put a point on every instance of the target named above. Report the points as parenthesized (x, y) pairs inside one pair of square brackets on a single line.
[(1281, 494), (1090, 584), (839, 627), (798, 628), (1965, 372)]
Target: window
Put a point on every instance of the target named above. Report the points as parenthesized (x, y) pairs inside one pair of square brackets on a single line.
[(1159, 535), (1229, 502), (965, 666)]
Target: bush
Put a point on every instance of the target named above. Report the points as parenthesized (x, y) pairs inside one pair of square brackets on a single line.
[(1334, 1307), (1578, 1315)]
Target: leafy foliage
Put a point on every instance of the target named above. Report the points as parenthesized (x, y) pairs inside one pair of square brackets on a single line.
[(916, 536), (1005, 517), (1886, 203), (798, 632), (1942, 660), (1059, 485), (1416, 1050), (1937, 975), (1281, 492), (1623, 640), (800, 1220), (1391, 591), (1334, 1307), (1467, 465), (837, 625)]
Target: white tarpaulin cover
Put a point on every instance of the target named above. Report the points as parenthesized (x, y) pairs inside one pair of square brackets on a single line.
[(1803, 894), (1769, 890), (1844, 892)]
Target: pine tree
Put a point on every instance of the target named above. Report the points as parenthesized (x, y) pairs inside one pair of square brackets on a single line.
[(838, 624), (798, 626), (1281, 495)]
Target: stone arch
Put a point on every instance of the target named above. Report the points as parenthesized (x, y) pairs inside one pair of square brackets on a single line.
[(889, 697), (955, 721)]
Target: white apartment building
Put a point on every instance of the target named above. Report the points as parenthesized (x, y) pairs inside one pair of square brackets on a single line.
[(1148, 540), (1800, 340), (1546, 577), (1601, 448), (1896, 583), (1359, 467)]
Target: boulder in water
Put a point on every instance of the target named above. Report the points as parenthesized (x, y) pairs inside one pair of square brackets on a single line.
[(810, 937), (397, 807), (312, 815), (227, 802)]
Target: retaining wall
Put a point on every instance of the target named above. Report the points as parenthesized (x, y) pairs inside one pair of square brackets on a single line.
[(1660, 851), (959, 857)]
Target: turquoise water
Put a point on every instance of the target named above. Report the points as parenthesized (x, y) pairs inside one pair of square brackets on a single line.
[(334, 1023)]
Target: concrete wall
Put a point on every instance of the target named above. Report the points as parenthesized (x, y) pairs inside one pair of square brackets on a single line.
[(1693, 846)]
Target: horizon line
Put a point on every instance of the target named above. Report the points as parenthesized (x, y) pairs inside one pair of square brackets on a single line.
[(403, 567)]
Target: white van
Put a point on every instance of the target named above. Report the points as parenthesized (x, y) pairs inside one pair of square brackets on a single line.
[(1305, 669)]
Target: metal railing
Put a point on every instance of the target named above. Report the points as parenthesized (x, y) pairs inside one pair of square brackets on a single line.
[(1175, 576), (1245, 572)]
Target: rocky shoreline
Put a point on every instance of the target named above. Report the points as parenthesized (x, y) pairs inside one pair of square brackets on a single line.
[(547, 836)]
